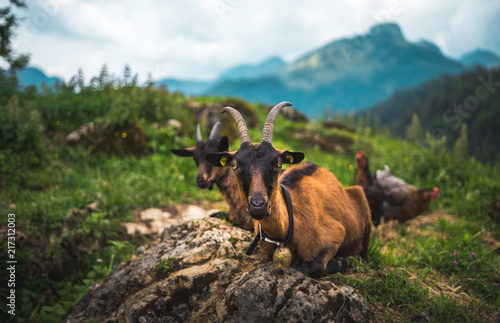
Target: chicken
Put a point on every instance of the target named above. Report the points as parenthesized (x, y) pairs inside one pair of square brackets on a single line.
[(373, 191), (403, 201)]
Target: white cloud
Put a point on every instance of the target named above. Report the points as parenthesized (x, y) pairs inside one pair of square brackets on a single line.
[(188, 39)]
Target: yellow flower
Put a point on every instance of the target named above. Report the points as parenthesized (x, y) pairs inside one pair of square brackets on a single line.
[(56, 155), (406, 160), (447, 178), (124, 135), (351, 168), (57, 123)]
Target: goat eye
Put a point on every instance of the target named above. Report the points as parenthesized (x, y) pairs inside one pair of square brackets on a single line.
[(234, 166), (280, 164)]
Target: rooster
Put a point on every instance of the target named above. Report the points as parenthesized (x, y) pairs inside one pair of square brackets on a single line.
[(373, 191), (403, 201)]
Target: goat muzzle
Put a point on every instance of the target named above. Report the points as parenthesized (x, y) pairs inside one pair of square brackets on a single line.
[(258, 206)]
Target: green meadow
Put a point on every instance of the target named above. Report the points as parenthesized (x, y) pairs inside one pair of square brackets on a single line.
[(442, 266)]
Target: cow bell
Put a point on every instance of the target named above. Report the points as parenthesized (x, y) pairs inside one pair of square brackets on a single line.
[(282, 258)]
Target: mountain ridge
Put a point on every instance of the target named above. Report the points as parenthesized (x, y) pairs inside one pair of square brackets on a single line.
[(375, 64)]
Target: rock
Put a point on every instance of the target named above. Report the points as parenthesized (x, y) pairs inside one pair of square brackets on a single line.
[(207, 253), (294, 115), (198, 272), (269, 295), (175, 124), (338, 143), (111, 139), (193, 213)]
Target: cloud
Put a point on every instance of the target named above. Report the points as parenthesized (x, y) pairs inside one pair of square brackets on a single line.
[(199, 39)]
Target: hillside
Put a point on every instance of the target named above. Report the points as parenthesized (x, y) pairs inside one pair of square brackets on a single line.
[(482, 57), (77, 207), (475, 95)]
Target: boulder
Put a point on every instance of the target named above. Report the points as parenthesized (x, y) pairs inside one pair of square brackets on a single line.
[(198, 271), (268, 295), (128, 139)]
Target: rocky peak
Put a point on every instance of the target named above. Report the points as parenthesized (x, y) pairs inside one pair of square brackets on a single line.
[(391, 30)]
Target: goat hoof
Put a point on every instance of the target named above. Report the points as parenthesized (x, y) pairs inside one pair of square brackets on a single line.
[(337, 265), (218, 215), (315, 269)]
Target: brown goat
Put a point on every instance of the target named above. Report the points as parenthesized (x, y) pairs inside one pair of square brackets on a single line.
[(329, 220), (224, 178)]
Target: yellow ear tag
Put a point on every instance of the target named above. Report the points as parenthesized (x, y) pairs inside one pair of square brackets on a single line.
[(290, 158), (223, 161)]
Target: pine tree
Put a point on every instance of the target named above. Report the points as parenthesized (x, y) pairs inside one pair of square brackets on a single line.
[(103, 77), (414, 131), (462, 144), (127, 73)]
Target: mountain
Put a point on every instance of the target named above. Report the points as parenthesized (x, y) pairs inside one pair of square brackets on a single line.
[(482, 57), (240, 72), (348, 74), (186, 87), (246, 71), (34, 76), (446, 102)]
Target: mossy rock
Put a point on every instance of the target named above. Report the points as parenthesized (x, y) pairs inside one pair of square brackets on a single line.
[(111, 139), (290, 113), (336, 143), (247, 110)]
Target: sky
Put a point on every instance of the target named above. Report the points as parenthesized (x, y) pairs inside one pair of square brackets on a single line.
[(198, 40)]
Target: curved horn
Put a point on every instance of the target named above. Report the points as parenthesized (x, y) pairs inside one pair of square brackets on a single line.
[(198, 133), (267, 133), (215, 130), (240, 123)]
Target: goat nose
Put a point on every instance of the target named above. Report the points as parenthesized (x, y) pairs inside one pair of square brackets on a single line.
[(257, 201)]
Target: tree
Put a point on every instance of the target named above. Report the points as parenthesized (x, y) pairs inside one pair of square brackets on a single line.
[(414, 131), (103, 77), (126, 75), (462, 144), (8, 22)]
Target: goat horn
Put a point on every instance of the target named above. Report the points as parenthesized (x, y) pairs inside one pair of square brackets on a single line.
[(240, 123), (198, 134), (267, 133), (215, 130)]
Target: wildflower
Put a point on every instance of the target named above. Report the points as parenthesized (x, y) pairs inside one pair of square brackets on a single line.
[(456, 253), (447, 178), (124, 135), (99, 260), (406, 160), (473, 255), (454, 263), (56, 155), (451, 253), (351, 168), (58, 123)]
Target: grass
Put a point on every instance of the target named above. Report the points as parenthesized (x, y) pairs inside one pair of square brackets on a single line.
[(436, 268), (411, 275)]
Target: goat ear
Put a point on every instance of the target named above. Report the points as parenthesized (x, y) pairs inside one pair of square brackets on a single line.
[(224, 144), (219, 159), (187, 152), (290, 157)]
